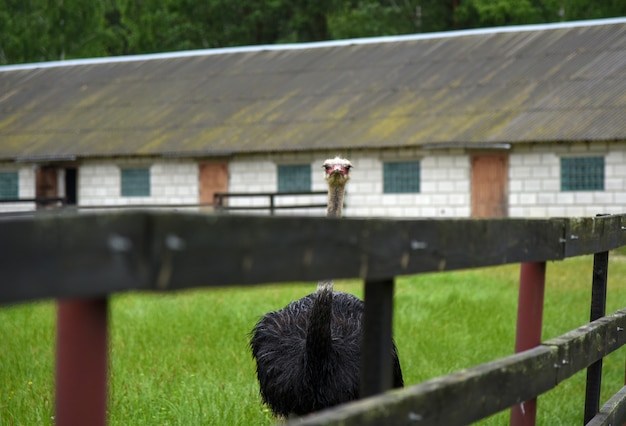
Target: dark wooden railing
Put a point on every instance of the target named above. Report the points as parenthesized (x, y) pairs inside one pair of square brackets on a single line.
[(81, 259), (220, 201), (38, 202)]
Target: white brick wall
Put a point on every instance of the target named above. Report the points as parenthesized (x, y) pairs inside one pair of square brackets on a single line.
[(171, 181), (535, 183), (98, 184), (444, 186), (257, 173)]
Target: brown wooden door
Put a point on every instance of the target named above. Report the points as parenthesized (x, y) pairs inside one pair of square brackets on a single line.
[(213, 178), (490, 185), (46, 185)]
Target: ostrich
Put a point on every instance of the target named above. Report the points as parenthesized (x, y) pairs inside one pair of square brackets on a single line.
[(308, 353)]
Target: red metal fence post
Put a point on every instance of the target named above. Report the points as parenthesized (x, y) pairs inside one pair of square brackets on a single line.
[(528, 333), (81, 381)]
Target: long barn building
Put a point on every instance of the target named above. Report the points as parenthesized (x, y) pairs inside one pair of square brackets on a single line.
[(525, 121)]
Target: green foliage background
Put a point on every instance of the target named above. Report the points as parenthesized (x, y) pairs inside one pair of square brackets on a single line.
[(44, 30)]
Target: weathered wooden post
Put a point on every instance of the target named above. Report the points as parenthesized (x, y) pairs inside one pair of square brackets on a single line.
[(528, 333), (376, 363), (218, 201), (598, 310), (272, 205)]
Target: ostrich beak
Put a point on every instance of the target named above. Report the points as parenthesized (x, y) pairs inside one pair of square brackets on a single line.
[(338, 168)]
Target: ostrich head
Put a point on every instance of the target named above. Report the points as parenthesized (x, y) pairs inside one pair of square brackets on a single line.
[(337, 171)]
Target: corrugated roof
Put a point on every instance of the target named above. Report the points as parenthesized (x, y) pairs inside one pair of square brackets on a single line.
[(536, 83)]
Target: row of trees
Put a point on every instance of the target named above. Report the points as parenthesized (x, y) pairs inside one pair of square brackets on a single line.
[(42, 30)]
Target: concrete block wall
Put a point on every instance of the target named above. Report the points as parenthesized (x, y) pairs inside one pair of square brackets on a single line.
[(26, 187), (171, 182), (534, 185), (535, 181), (98, 184), (444, 183), (258, 173), (444, 186), (533, 188)]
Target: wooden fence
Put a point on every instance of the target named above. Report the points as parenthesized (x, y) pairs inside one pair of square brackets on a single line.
[(220, 200), (270, 202), (81, 259)]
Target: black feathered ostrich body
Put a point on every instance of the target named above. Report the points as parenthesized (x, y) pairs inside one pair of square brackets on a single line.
[(308, 353)]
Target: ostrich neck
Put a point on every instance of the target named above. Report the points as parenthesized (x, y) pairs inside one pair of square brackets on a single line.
[(335, 206), (335, 200)]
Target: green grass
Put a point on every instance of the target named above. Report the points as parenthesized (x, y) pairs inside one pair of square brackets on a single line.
[(182, 358)]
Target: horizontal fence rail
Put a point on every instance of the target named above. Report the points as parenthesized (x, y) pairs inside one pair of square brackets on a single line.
[(163, 250), (452, 399), (158, 251), (39, 200), (220, 200), (612, 412), (155, 250), (219, 203)]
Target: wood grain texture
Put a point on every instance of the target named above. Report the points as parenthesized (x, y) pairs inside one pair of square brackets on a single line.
[(78, 255), (475, 393), (82, 255), (613, 412)]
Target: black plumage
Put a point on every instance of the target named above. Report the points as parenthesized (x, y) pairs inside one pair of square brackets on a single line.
[(308, 353)]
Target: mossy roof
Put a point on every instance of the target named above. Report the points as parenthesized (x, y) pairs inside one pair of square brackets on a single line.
[(470, 88)]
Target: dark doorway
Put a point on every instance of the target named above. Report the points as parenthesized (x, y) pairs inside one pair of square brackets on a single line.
[(71, 187)]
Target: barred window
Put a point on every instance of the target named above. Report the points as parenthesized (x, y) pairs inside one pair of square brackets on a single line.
[(401, 177), (582, 174), (9, 185), (136, 182), (294, 178)]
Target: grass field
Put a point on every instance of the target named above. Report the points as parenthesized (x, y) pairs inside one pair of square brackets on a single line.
[(182, 358)]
